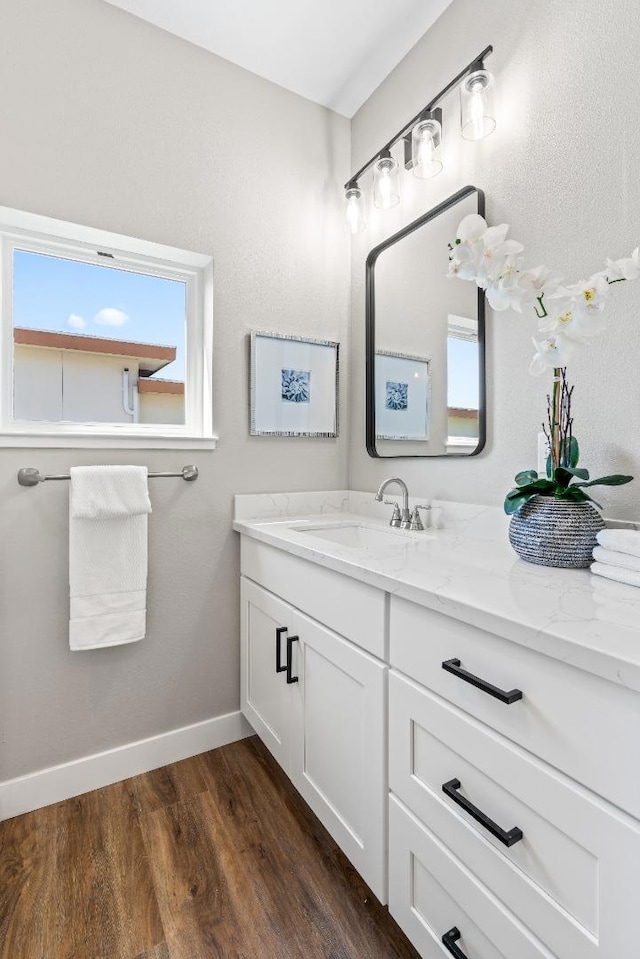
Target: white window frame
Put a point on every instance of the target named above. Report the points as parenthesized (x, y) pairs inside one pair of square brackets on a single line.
[(40, 234)]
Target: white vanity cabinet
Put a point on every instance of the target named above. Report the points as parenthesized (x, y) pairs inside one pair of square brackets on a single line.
[(494, 780), (318, 701), (522, 859)]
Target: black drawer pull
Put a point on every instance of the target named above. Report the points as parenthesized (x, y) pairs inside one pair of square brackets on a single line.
[(449, 942), (453, 666), (290, 641), (508, 837), (279, 631)]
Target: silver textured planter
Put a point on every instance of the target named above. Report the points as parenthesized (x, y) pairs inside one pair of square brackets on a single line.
[(554, 532)]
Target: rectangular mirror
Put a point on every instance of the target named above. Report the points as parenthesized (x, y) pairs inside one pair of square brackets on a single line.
[(425, 341)]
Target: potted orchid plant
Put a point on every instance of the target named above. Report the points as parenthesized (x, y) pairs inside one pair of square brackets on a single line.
[(553, 522)]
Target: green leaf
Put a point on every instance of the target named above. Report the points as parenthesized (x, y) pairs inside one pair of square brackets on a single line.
[(579, 496), (574, 452), (574, 494), (527, 476), (542, 486), (513, 504), (549, 467), (617, 479), (564, 474)]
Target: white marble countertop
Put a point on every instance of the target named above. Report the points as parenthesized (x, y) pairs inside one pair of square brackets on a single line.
[(466, 569)]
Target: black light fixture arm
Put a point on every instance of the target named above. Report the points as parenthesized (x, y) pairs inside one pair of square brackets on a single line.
[(476, 64)]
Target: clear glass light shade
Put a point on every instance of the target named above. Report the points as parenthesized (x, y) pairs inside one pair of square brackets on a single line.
[(425, 140), (355, 212), (476, 105), (386, 188)]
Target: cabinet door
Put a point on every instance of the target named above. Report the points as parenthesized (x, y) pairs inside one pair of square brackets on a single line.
[(338, 749), (266, 699)]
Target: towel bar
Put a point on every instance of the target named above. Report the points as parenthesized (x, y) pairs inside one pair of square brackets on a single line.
[(30, 476)]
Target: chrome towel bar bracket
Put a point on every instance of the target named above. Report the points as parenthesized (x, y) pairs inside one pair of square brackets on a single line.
[(30, 476)]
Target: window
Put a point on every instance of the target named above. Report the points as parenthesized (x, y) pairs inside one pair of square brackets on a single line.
[(463, 389), (106, 340)]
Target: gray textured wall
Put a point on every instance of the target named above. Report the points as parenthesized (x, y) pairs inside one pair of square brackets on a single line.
[(111, 122), (562, 169)]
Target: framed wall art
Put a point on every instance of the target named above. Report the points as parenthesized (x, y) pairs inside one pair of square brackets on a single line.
[(402, 396), (293, 386)]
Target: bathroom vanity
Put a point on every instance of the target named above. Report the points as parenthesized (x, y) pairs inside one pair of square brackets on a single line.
[(465, 725)]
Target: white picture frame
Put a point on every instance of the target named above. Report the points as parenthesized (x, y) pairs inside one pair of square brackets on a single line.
[(293, 386), (402, 396)]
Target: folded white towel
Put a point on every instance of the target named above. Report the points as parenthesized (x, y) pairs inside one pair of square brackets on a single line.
[(107, 560), (617, 573), (613, 558), (109, 492), (620, 540)]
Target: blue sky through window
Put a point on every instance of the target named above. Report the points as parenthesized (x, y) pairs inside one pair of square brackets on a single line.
[(462, 380), (68, 296)]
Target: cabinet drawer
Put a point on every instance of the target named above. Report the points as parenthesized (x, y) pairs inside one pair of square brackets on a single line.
[(431, 894), (573, 876), (583, 725), (349, 607)]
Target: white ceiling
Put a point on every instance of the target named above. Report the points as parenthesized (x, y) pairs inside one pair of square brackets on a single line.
[(335, 52)]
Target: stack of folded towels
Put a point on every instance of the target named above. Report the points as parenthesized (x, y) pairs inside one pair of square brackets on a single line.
[(617, 556)]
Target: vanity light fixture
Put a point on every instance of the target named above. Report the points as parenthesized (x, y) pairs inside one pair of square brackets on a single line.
[(355, 212), (422, 137), (477, 118), (425, 140), (386, 188)]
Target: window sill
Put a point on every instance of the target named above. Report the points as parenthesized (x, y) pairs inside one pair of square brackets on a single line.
[(105, 441)]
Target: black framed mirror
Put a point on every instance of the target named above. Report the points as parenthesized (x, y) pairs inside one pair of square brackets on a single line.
[(425, 341)]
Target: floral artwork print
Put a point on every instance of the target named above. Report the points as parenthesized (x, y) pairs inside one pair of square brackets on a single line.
[(397, 396), (296, 386)]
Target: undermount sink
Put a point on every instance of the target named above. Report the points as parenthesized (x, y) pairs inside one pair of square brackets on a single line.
[(358, 536)]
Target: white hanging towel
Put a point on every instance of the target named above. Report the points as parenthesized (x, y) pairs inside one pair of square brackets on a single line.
[(108, 508)]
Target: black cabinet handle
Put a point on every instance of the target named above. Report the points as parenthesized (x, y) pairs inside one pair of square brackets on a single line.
[(453, 666), (508, 837), (279, 631), (449, 942), (290, 641)]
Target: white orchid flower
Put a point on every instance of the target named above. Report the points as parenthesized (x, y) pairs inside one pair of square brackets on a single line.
[(471, 229), (588, 296), (462, 262), (495, 251), (627, 268), (540, 281), (465, 255), (502, 289), (565, 315), (552, 351)]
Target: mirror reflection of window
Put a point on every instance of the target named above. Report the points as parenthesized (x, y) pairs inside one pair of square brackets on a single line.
[(463, 391), (96, 343)]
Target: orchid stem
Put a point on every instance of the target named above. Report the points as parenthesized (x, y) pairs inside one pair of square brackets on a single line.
[(544, 313), (555, 417)]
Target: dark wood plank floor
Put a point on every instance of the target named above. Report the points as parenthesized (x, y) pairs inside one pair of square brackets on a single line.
[(217, 856)]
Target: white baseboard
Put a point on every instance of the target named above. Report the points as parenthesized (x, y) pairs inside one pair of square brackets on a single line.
[(51, 785)]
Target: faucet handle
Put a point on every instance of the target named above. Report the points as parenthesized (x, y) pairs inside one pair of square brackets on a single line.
[(416, 522), (396, 516)]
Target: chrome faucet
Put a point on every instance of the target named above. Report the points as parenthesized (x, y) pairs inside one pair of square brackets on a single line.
[(401, 517)]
